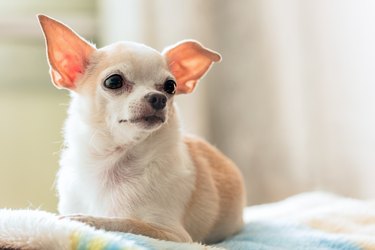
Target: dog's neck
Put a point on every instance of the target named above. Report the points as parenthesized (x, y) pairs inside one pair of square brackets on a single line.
[(96, 144)]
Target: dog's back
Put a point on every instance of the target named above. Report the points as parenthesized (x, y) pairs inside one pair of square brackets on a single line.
[(215, 208)]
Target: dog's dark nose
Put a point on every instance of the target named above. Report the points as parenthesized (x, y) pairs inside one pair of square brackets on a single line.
[(157, 101)]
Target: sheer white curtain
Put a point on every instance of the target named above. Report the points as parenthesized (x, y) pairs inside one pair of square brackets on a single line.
[(293, 102)]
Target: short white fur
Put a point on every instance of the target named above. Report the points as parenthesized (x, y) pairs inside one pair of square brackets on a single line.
[(115, 171)]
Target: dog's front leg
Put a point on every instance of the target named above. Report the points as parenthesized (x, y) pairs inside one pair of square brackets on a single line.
[(133, 226)]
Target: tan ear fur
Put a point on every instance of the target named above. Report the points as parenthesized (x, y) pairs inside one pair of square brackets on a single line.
[(189, 61), (68, 53)]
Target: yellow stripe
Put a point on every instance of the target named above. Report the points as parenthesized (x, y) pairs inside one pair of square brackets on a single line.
[(74, 240), (97, 244)]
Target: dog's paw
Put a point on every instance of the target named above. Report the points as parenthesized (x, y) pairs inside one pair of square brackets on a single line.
[(11, 245), (88, 220)]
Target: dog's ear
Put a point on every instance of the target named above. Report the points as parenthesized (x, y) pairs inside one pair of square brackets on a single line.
[(189, 61), (68, 53)]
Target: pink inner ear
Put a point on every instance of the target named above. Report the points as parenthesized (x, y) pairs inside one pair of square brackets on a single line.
[(190, 84), (176, 69), (71, 65), (188, 62), (68, 53), (188, 72)]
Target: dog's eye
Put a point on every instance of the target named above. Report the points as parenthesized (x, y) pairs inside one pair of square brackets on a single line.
[(113, 82), (170, 86)]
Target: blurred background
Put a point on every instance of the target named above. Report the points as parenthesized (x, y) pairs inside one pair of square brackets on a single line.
[(292, 102)]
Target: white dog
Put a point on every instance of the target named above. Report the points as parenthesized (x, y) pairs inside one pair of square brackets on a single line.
[(126, 165)]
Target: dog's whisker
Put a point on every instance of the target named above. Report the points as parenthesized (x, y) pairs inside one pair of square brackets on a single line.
[(91, 141), (112, 127)]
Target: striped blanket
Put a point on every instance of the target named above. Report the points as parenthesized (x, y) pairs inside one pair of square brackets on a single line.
[(306, 221)]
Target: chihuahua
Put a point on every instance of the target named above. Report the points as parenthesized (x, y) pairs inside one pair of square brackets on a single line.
[(126, 166)]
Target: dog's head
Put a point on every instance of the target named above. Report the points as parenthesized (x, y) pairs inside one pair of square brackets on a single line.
[(124, 86)]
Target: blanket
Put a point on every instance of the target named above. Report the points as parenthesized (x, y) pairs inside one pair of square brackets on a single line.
[(306, 221)]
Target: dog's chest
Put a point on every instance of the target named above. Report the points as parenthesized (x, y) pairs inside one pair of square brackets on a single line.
[(116, 187), (120, 188)]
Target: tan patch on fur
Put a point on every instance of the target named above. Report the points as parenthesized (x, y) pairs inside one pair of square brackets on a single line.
[(215, 209), (139, 227), (9, 245)]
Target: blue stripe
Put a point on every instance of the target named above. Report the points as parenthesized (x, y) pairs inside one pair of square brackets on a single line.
[(284, 235)]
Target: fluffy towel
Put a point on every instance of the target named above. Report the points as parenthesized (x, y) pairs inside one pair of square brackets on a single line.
[(306, 221)]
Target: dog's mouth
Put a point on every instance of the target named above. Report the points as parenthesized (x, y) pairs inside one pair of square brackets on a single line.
[(149, 120)]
